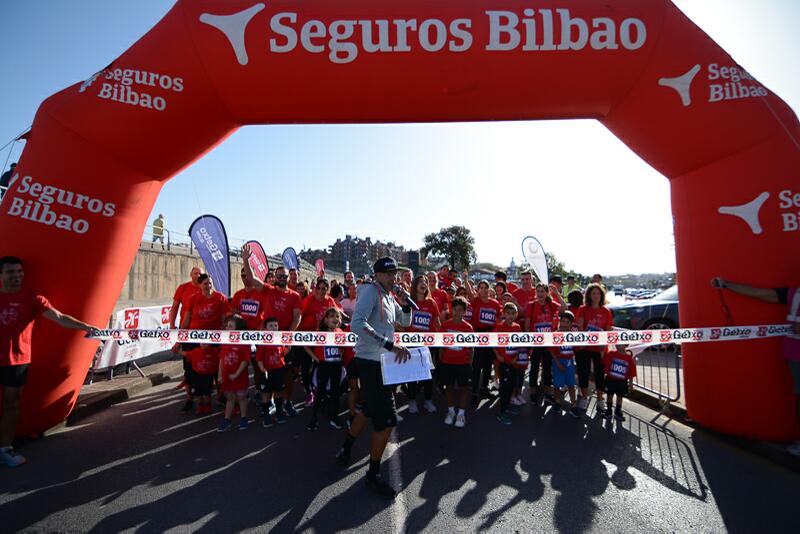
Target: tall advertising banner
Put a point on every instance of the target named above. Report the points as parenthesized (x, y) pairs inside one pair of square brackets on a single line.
[(728, 145), (258, 261), (117, 351), (290, 260), (211, 241), (319, 265), (533, 252)]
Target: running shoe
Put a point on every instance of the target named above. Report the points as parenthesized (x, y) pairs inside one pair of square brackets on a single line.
[(379, 486), (608, 413), (504, 418), (412, 407), (618, 415), (309, 399), (461, 420), (224, 426), (187, 407), (450, 418), (548, 400), (280, 417), (267, 422), (313, 424), (9, 458), (290, 411), (244, 424), (794, 448), (575, 412), (336, 423), (583, 404), (430, 407), (514, 401)]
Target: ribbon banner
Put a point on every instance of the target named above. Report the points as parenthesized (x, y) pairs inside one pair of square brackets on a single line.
[(258, 261), (123, 349), (457, 340), (209, 237)]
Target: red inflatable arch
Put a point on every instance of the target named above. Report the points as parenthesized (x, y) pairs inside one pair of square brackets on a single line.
[(100, 151)]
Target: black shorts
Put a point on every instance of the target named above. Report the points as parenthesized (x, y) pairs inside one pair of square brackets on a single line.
[(378, 399), (202, 384), (14, 376), (187, 347), (274, 382), (616, 387), (455, 375)]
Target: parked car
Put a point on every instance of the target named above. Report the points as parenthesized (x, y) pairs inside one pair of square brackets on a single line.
[(657, 313)]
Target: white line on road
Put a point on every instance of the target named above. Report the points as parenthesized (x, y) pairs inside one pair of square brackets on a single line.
[(399, 509)]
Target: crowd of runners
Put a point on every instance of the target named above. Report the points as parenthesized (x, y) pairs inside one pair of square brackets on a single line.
[(447, 301)]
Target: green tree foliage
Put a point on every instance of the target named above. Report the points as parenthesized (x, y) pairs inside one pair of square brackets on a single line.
[(454, 243)]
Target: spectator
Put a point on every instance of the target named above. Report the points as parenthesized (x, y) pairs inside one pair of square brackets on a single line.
[(571, 286), (158, 230), (5, 179)]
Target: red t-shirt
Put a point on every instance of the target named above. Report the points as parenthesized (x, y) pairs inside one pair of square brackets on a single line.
[(485, 315), (205, 360), (441, 297), (272, 357), (183, 293), (595, 320), (619, 365), (511, 287), (512, 355), (207, 312), (250, 304), (17, 313), (523, 297), (543, 318), (456, 355), (424, 319), (313, 311), (231, 357), (281, 304)]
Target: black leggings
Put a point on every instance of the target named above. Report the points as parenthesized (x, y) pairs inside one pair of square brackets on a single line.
[(541, 357), (509, 377), (584, 359), (329, 388), (482, 362), (427, 389)]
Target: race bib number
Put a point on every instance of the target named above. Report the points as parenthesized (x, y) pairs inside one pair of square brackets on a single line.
[(249, 307), (333, 354), (488, 316), (543, 327), (422, 320)]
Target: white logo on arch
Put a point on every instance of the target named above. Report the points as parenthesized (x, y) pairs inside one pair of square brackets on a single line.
[(682, 85), (234, 27), (749, 212)]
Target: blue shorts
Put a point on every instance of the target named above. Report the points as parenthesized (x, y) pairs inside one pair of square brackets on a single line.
[(565, 377)]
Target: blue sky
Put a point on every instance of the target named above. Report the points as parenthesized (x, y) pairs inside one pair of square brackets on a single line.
[(328, 177)]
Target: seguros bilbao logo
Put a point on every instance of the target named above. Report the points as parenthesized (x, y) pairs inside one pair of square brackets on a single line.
[(165, 311), (132, 319)]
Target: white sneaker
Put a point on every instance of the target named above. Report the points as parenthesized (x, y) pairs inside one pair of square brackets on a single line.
[(794, 448), (412, 407), (11, 459), (461, 420), (430, 407), (450, 418)]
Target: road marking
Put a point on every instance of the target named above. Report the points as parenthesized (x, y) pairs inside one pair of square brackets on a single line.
[(399, 508)]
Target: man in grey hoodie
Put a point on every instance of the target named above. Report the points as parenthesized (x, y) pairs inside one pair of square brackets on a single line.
[(376, 313)]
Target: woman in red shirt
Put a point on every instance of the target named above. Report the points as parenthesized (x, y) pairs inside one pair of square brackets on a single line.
[(593, 316), (425, 319)]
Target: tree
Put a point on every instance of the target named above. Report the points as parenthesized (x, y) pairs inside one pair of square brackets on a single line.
[(454, 243)]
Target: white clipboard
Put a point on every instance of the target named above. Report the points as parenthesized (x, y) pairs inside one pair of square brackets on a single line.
[(414, 370)]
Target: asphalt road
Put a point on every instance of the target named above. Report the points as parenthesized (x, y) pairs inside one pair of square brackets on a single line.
[(142, 466)]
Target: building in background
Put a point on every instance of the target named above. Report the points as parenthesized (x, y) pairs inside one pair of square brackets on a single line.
[(357, 254)]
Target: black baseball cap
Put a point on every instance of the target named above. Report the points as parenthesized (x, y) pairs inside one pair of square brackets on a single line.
[(384, 265)]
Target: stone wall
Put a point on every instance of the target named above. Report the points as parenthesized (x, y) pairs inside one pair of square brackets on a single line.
[(156, 273)]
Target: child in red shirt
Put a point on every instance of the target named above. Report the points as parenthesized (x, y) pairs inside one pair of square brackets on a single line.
[(233, 363), (511, 368), (455, 368), (205, 363), (620, 367), (271, 363), (328, 373)]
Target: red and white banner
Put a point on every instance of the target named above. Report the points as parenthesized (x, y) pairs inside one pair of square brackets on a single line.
[(126, 348), (446, 339)]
